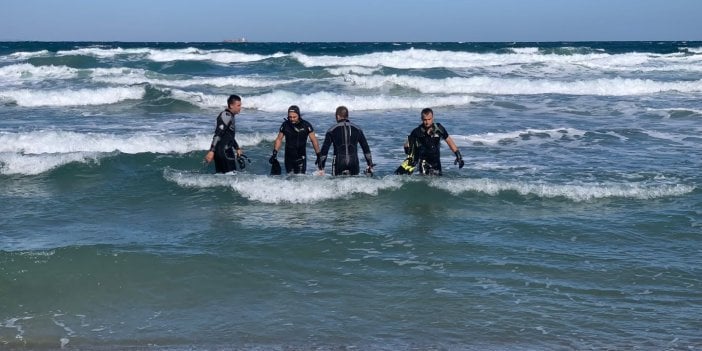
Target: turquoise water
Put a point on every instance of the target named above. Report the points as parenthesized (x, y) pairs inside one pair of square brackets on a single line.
[(576, 223)]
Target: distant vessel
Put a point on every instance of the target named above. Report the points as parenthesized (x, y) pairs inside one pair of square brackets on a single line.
[(239, 40)]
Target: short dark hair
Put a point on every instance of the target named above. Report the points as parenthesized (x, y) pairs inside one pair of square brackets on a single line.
[(233, 98), (342, 112), (426, 111)]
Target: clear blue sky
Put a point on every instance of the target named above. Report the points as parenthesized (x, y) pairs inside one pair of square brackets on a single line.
[(350, 20)]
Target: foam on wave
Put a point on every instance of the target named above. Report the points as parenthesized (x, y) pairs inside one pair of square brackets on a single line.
[(12, 163), (71, 97), (427, 59), (492, 138), (523, 86), (324, 101), (573, 192), (47, 141), (24, 71), (219, 56), (40, 151), (268, 189)]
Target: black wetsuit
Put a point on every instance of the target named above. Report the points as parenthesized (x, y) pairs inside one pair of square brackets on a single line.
[(224, 143), (424, 148), (296, 145), (345, 136)]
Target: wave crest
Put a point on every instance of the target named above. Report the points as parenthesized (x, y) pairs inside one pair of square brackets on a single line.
[(278, 190), (71, 97), (573, 192), (300, 189)]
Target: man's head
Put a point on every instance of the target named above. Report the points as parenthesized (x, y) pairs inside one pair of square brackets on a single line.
[(342, 113), (427, 117), (294, 114), (234, 103)]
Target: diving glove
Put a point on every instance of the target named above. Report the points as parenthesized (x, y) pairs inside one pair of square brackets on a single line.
[(317, 160), (459, 159), (242, 161)]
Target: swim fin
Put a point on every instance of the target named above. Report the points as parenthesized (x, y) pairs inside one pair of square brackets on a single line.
[(275, 167), (407, 167)]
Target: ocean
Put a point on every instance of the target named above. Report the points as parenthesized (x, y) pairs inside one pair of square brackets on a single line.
[(576, 223)]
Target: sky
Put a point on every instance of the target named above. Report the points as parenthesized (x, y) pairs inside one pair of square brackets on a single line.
[(350, 20)]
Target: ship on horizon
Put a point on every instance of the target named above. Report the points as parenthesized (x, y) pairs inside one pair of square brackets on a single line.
[(238, 40)]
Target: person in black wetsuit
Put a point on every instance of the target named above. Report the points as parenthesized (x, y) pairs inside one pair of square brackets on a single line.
[(296, 131), (224, 149), (422, 146), (345, 136)]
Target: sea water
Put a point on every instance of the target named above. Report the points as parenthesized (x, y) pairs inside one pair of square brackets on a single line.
[(575, 224)]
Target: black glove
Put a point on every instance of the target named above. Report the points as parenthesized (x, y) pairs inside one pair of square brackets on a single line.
[(242, 161), (316, 161), (459, 159), (274, 157)]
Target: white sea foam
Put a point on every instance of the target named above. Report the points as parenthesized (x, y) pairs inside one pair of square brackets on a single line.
[(11, 163), (70, 97), (12, 323), (220, 56), (527, 51), (28, 72), (129, 77), (415, 59), (278, 190), (167, 55), (47, 141), (455, 85), (353, 76), (103, 53), (423, 59), (574, 192), (325, 102), (404, 59), (24, 71), (491, 138), (521, 86), (41, 151), (23, 55)]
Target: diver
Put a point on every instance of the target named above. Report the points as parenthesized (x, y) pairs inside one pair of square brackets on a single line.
[(345, 136), (422, 147), (296, 131), (224, 150)]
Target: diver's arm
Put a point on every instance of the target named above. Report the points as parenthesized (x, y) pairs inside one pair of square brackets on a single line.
[(315, 143), (451, 144), (278, 142), (454, 148)]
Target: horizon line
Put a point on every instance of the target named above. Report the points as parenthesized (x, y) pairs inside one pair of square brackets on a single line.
[(325, 41)]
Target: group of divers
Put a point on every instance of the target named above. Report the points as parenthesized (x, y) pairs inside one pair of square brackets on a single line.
[(421, 146)]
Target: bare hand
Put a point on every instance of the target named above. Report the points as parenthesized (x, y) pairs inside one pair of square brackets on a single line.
[(209, 157)]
